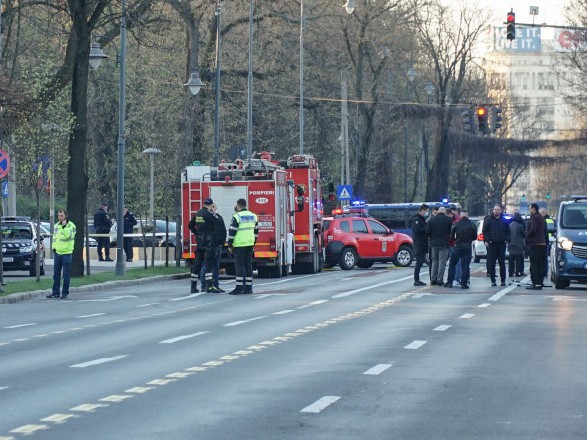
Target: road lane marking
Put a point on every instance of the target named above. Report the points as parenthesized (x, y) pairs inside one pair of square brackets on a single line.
[(422, 294), (245, 321), (90, 316), (267, 295), (29, 429), (283, 312), (352, 292), (415, 345), (313, 303), (467, 315), (111, 298), (442, 328), (377, 369), (484, 305), (115, 398), (57, 418), (88, 407), (21, 325), (147, 305), (193, 295), (181, 338), (3, 388), (320, 404), (502, 292), (98, 361)]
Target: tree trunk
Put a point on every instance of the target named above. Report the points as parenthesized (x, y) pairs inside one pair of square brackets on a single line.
[(77, 179)]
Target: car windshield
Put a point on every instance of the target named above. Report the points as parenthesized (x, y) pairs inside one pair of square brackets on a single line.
[(574, 217), (17, 231)]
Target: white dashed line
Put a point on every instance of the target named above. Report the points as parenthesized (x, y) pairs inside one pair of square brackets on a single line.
[(232, 324), (442, 328), (283, 312), (90, 316), (320, 404), (502, 292), (415, 345), (98, 361), (22, 325), (147, 305), (181, 298), (467, 316), (3, 388), (181, 338), (484, 305), (377, 369), (352, 292)]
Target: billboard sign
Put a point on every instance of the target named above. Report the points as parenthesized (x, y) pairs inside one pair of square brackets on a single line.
[(527, 39), (568, 40)]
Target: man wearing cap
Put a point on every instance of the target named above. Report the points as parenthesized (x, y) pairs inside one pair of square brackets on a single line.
[(202, 226), (242, 236), (102, 225), (129, 222)]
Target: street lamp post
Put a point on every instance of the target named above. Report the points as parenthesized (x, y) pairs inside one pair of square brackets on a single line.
[(195, 84), (411, 74), (350, 7), (250, 85), (96, 57)]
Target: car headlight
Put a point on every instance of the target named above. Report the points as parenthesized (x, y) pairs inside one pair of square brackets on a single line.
[(565, 243), (26, 249)]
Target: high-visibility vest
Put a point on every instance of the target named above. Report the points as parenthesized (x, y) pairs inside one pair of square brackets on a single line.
[(63, 238), (245, 234)]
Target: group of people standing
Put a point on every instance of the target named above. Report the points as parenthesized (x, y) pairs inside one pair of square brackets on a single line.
[(211, 235), (445, 236), (448, 236), (102, 226)]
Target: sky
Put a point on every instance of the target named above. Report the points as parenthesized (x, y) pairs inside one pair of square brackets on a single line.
[(550, 11)]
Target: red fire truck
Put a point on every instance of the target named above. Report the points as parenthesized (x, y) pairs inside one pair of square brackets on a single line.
[(286, 198)]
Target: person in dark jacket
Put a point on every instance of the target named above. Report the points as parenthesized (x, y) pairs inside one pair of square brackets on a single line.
[(496, 234), (102, 225), (516, 246), (438, 230), (129, 221), (202, 226), (420, 238), (218, 242), (536, 242), (464, 233)]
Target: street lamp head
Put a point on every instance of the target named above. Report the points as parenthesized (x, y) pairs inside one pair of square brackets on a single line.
[(411, 74), (349, 6), (430, 89), (96, 55), (194, 84), (151, 151)]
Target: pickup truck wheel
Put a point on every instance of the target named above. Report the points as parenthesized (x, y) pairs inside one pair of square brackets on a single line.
[(404, 256), (348, 259)]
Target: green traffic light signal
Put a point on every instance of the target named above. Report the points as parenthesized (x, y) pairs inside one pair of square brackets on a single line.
[(548, 195)]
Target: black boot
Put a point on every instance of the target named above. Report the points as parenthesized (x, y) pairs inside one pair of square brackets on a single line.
[(238, 290)]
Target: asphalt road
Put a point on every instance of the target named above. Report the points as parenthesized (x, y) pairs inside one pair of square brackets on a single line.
[(337, 355)]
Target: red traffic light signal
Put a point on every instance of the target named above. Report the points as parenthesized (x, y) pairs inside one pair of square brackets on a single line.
[(511, 26)]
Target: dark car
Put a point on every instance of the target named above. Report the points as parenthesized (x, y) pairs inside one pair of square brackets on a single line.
[(354, 240), (568, 255), (160, 234), (19, 245)]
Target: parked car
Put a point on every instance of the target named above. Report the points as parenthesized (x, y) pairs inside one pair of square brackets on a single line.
[(568, 257), (355, 240), (19, 245), (46, 228), (160, 234)]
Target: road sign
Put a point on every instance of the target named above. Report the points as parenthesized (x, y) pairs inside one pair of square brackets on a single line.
[(5, 188), (4, 163), (344, 192)]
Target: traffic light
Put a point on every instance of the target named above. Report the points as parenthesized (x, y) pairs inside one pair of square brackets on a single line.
[(331, 194), (482, 119), (547, 195), (496, 117), (467, 120), (511, 26)]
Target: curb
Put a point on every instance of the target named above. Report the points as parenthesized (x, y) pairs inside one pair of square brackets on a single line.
[(36, 294)]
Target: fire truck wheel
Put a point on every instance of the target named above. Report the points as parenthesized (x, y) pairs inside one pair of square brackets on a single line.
[(404, 257), (348, 258)]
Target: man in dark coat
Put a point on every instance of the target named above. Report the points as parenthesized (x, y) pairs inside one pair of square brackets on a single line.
[(536, 242), (102, 225), (464, 233), (496, 233), (516, 246), (438, 230), (218, 242), (129, 221), (420, 237)]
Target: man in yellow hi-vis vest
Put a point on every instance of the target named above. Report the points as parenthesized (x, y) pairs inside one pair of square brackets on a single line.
[(242, 236), (63, 237)]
